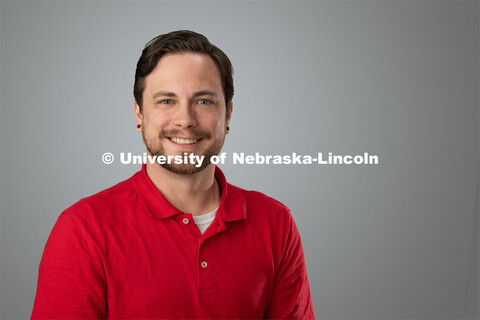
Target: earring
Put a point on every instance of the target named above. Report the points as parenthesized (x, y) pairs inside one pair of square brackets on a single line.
[(138, 126), (228, 129)]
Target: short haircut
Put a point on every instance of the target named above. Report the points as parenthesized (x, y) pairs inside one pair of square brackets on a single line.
[(178, 42)]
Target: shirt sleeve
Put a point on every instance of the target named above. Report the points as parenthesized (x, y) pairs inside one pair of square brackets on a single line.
[(71, 281), (291, 297)]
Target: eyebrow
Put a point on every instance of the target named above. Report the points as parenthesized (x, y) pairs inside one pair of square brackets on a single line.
[(196, 94), (205, 93), (163, 93)]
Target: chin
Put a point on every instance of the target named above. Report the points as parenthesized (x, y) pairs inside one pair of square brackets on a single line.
[(185, 170)]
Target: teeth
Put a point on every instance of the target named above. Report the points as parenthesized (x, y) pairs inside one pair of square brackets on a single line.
[(184, 141)]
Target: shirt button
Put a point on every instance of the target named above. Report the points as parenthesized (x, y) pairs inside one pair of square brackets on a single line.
[(204, 264), (185, 220)]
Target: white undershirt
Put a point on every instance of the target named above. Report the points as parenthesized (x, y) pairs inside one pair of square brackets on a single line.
[(203, 221)]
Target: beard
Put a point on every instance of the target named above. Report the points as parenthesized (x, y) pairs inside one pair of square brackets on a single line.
[(155, 148)]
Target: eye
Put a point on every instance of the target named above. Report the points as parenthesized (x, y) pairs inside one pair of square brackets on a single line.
[(204, 101), (166, 101)]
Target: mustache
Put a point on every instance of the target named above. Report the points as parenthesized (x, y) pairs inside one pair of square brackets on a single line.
[(194, 133)]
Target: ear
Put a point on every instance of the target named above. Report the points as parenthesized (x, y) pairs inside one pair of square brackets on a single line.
[(229, 116), (138, 115)]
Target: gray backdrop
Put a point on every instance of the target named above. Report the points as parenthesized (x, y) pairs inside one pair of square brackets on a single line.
[(399, 79)]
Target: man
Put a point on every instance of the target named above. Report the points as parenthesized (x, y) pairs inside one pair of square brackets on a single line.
[(176, 240)]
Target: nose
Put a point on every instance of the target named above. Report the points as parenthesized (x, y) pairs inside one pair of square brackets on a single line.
[(185, 117)]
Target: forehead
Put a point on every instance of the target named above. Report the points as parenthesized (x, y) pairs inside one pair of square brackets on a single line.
[(183, 73)]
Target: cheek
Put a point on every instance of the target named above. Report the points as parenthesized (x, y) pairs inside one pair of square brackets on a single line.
[(215, 120), (218, 125), (155, 121)]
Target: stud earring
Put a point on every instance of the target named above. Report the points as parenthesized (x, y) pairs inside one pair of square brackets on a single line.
[(228, 129), (138, 126)]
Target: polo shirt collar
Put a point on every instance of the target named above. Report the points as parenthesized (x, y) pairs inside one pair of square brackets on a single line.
[(232, 206)]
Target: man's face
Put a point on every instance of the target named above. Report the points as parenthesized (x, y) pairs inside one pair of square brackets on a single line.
[(183, 109)]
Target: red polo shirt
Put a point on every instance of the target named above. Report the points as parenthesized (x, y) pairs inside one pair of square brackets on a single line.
[(126, 252)]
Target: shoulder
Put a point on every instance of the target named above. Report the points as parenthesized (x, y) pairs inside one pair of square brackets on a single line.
[(104, 202), (256, 197), (260, 203), (268, 220)]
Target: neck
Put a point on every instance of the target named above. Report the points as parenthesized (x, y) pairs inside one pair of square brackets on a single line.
[(197, 193)]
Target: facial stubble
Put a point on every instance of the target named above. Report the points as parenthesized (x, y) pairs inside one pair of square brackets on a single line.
[(155, 148)]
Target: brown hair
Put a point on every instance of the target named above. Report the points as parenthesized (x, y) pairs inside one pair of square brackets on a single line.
[(181, 41)]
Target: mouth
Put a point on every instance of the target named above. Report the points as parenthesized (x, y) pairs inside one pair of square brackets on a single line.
[(183, 141)]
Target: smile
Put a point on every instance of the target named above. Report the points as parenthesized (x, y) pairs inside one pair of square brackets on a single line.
[(183, 141)]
